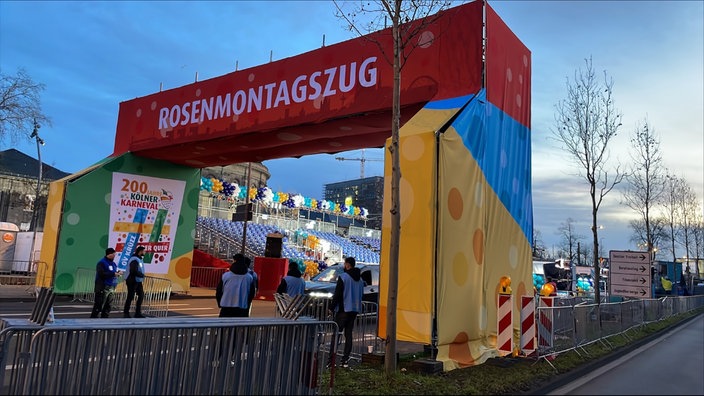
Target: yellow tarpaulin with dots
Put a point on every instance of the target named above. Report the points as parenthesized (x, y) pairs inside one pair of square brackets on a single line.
[(465, 212)]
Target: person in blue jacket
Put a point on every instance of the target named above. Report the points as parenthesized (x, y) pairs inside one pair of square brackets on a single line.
[(235, 291), (106, 274), (347, 303), (292, 284), (134, 280)]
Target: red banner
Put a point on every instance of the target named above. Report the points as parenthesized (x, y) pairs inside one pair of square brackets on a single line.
[(333, 99)]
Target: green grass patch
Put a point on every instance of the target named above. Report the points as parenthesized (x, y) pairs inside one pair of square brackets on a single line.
[(511, 377)]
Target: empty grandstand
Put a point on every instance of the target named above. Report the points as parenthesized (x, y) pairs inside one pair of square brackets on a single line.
[(223, 238)]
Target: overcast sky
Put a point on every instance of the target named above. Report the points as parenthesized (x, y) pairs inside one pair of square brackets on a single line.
[(93, 55)]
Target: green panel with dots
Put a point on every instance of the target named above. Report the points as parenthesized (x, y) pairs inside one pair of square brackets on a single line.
[(83, 236)]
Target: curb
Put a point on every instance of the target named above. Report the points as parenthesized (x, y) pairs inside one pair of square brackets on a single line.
[(563, 379)]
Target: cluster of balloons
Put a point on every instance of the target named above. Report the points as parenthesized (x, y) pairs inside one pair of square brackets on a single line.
[(312, 269), (585, 283), (266, 196), (302, 238), (538, 282)]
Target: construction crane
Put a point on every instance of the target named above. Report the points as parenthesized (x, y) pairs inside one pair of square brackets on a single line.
[(362, 159)]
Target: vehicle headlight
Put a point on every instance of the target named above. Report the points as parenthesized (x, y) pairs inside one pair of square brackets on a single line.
[(321, 295)]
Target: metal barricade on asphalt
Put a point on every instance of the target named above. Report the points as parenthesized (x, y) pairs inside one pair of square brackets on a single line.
[(364, 332), (157, 292), (166, 356), (207, 277)]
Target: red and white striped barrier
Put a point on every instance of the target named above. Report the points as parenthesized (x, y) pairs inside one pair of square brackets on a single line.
[(527, 325), (504, 318), (545, 327)]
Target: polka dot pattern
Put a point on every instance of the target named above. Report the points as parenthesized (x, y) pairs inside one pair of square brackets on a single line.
[(455, 204)]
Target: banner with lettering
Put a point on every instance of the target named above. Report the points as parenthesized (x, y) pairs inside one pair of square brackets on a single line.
[(144, 211)]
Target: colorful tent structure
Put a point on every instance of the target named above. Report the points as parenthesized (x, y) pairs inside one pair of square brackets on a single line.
[(466, 211)]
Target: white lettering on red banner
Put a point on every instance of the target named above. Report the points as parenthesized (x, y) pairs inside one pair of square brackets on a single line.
[(321, 83)]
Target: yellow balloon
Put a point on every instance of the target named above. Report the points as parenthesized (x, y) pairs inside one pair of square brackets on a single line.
[(348, 201), (547, 289)]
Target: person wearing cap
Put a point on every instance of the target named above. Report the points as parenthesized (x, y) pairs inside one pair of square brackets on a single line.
[(134, 279), (106, 274)]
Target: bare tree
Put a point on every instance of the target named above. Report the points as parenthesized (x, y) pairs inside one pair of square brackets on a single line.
[(698, 242), (586, 122), (569, 238), (658, 234), (539, 250), (671, 209), (689, 209), (407, 19), (20, 106), (646, 179)]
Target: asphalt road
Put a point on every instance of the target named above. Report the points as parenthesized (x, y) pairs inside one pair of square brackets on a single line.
[(672, 364), (66, 309)]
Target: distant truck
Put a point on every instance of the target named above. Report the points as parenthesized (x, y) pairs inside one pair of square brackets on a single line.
[(557, 271)]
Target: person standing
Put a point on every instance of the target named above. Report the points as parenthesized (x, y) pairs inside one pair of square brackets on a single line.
[(134, 281), (347, 303), (292, 284), (235, 290), (106, 274), (666, 284)]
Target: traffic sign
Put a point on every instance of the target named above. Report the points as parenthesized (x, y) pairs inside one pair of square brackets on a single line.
[(630, 280), (629, 257), (629, 274), (630, 291), (629, 269)]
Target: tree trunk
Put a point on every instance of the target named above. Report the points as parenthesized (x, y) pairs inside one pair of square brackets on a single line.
[(390, 358)]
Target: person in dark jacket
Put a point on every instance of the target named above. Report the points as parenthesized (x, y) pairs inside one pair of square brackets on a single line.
[(347, 303), (106, 274), (235, 291), (292, 284), (134, 280)]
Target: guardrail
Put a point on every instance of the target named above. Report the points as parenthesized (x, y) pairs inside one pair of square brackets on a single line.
[(164, 356), (207, 277), (364, 332), (573, 326), (157, 292), (16, 272)]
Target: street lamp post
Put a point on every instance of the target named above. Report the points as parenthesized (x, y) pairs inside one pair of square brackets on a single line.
[(40, 142)]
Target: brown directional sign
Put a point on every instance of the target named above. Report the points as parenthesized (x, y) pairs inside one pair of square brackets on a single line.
[(629, 274)]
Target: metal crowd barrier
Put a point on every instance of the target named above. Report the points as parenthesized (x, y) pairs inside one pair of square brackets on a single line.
[(17, 272), (364, 332), (207, 277), (164, 356), (568, 326), (157, 292)]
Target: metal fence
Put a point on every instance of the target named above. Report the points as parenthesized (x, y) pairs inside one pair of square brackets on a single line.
[(157, 292), (207, 277), (364, 333), (569, 326), (16, 272), (164, 356)]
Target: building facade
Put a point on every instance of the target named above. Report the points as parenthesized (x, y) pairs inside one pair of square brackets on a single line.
[(18, 189), (210, 205), (365, 193)]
